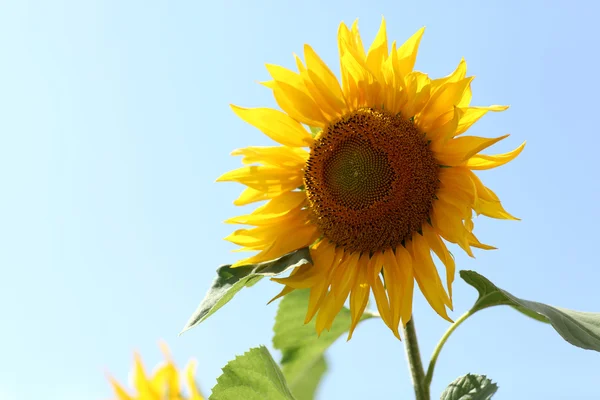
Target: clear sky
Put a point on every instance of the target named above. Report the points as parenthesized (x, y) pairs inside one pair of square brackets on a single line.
[(114, 124)]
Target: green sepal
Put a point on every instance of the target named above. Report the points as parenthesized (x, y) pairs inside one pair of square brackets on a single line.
[(229, 281), (314, 131)]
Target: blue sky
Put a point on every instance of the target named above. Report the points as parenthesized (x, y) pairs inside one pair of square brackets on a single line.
[(115, 123)]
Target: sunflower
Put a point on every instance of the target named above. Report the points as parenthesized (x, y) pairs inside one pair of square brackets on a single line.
[(164, 384), (381, 179)]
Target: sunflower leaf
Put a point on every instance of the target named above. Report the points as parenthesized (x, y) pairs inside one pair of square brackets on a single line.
[(470, 387), (252, 376), (581, 329), (229, 281), (303, 361), (306, 388)]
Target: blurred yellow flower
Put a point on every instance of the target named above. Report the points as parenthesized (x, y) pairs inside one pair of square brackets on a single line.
[(164, 384), (383, 179)]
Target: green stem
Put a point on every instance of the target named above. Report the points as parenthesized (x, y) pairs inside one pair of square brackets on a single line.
[(414, 361), (438, 348)]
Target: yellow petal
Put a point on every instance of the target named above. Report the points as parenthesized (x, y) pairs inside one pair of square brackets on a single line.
[(324, 79), (460, 202), (166, 380), (119, 390), (395, 93), (367, 88), (446, 220), (286, 290), (418, 93), (350, 39), (269, 84), (321, 96), (459, 184), (279, 156), (265, 178), (378, 52), (265, 234), (324, 254), (305, 278), (275, 210), (299, 104), (326, 257), (394, 285), (442, 133), (469, 225), (440, 249), (287, 104), (283, 244), (343, 277), (140, 381), (482, 161), (407, 53), (316, 299), (473, 114), (428, 278), (383, 304), (299, 64), (460, 149), (473, 241), (326, 313), (361, 86), (405, 264), (459, 73), (492, 209), (442, 100), (344, 36), (276, 125), (466, 97), (190, 371), (482, 191), (293, 96), (359, 297), (250, 195), (487, 202), (282, 74)]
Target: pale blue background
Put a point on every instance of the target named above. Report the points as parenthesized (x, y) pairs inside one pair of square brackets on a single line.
[(114, 124)]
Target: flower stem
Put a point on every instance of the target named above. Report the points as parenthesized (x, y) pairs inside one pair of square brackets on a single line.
[(414, 361), (438, 348)]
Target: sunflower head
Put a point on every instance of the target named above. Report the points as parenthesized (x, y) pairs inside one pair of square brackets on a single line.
[(370, 180), (163, 384), (386, 182)]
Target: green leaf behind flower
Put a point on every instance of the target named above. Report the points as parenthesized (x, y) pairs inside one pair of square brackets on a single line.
[(252, 376), (230, 281), (470, 387), (581, 329), (305, 388), (303, 362)]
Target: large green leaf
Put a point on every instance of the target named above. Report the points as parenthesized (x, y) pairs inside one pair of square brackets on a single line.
[(229, 281), (303, 362), (470, 387), (305, 388), (253, 376), (581, 329)]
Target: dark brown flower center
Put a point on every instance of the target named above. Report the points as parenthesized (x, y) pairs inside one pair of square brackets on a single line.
[(371, 180)]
